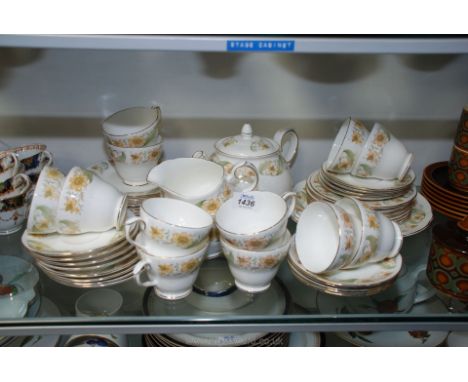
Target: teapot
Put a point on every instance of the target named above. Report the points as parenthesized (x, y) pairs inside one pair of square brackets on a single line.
[(271, 157)]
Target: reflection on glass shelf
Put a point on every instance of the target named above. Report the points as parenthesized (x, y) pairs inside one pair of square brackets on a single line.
[(216, 310)]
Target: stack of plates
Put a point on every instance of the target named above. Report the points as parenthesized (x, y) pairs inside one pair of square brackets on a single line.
[(441, 195), (135, 194), (363, 281), (84, 261), (216, 295), (269, 340), (393, 198)]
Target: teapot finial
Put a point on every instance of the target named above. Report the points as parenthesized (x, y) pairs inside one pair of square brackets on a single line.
[(246, 131)]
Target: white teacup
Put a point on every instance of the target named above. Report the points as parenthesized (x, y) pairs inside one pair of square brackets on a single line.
[(133, 164), (43, 211), (254, 270), (252, 220), (171, 227), (171, 277), (347, 146), (88, 204), (379, 237), (383, 156), (325, 237), (132, 127)]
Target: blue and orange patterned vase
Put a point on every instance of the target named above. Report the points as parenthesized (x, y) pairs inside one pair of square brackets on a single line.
[(447, 267)]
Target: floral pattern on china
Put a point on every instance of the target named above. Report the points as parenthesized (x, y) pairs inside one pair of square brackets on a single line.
[(373, 153)]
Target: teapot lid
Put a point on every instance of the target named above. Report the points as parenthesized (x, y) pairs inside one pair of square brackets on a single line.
[(246, 145)]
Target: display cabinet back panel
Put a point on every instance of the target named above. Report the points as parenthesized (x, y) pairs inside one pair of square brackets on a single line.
[(53, 95)]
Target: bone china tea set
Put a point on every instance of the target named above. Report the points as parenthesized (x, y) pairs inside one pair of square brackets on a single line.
[(160, 223)]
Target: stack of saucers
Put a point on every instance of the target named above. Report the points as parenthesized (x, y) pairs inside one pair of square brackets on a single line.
[(134, 146), (135, 194), (88, 260), (345, 249), (254, 236), (392, 197)]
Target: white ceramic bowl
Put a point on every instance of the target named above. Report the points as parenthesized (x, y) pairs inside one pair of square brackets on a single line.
[(252, 220), (88, 204), (325, 237), (172, 227), (133, 164), (347, 146), (171, 277), (132, 127), (43, 211), (254, 270)]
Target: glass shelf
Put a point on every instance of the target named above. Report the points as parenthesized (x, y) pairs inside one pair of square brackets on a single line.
[(304, 308)]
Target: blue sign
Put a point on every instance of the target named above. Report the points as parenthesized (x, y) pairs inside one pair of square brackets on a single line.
[(260, 45)]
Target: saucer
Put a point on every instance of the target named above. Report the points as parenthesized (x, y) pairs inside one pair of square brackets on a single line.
[(330, 305), (371, 183), (59, 245), (420, 218), (363, 281), (107, 172)]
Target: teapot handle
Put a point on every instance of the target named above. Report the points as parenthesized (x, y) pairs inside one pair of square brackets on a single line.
[(283, 137), (234, 175)]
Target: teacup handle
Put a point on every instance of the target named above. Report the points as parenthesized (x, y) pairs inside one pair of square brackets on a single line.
[(230, 177), (398, 240), (282, 137), (49, 158), (137, 271), (291, 196), (26, 183), (16, 162), (200, 154), (128, 224), (157, 109), (422, 293)]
